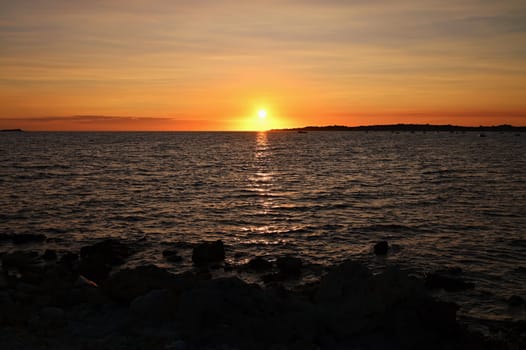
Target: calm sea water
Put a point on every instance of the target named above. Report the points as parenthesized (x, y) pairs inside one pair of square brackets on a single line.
[(441, 199)]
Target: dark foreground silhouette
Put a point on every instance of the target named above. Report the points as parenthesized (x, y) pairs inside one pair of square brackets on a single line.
[(50, 301)]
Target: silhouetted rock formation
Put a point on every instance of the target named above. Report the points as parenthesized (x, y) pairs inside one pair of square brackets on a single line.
[(381, 248), (208, 252), (49, 254), (110, 251), (148, 307), (172, 255), (289, 265), (22, 238), (259, 264), (448, 279)]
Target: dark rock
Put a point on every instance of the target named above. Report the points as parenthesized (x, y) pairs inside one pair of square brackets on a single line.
[(272, 277), (128, 284), (515, 300), (110, 251), (19, 259), (48, 319), (23, 238), (289, 266), (205, 310), (381, 248), (347, 278), (49, 254), (69, 257), (259, 264), (94, 269), (208, 252), (158, 304), (446, 281), (172, 256)]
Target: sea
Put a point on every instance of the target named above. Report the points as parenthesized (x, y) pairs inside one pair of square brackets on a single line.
[(440, 199)]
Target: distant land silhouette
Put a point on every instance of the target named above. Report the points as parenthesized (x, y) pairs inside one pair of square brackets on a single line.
[(11, 130), (408, 127)]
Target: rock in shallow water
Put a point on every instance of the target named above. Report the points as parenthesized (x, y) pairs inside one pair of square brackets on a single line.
[(447, 280), (128, 284), (515, 300), (381, 248), (208, 252), (23, 238), (289, 265), (110, 251), (259, 264), (172, 255)]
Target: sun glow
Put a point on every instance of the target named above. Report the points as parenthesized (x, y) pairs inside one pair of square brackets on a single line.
[(262, 114), (261, 117)]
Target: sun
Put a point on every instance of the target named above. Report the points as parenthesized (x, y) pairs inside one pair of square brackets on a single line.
[(262, 114)]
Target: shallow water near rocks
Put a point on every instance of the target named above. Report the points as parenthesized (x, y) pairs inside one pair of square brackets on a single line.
[(440, 199)]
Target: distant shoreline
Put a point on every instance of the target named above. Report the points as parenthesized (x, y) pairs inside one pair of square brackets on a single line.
[(386, 127), (408, 127)]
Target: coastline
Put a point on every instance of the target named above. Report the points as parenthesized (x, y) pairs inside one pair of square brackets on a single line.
[(408, 128), (82, 300)]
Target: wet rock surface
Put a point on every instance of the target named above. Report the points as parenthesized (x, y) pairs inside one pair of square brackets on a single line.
[(208, 252), (172, 255), (22, 238), (449, 280), (53, 305), (259, 264), (381, 248)]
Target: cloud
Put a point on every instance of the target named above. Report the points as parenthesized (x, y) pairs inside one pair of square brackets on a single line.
[(107, 123)]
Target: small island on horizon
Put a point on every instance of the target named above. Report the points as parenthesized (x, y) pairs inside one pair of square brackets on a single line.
[(11, 130), (407, 127)]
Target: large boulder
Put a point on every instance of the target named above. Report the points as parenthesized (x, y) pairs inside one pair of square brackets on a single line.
[(95, 270), (172, 255), (289, 265), (21, 260), (158, 304), (22, 238), (228, 311), (448, 280), (110, 251), (49, 254), (208, 252), (128, 284), (381, 248), (259, 264)]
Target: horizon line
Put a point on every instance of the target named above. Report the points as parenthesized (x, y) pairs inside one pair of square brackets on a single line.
[(287, 129)]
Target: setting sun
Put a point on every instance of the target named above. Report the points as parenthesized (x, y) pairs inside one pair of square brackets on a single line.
[(262, 114)]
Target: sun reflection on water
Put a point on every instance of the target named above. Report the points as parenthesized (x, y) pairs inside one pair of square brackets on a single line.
[(262, 182)]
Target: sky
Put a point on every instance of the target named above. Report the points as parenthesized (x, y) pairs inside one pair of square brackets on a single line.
[(214, 64)]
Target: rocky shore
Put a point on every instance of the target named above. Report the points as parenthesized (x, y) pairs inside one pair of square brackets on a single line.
[(83, 300)]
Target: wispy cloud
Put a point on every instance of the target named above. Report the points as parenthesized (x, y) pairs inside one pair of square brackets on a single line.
[(106, 123)]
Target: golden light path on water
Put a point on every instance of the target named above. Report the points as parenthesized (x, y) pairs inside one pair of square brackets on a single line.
[(262, 181)]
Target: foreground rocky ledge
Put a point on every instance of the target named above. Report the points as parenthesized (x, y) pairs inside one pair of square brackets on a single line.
[(53, 306)]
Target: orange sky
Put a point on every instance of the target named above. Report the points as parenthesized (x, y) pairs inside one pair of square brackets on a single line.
[(211, 65)]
